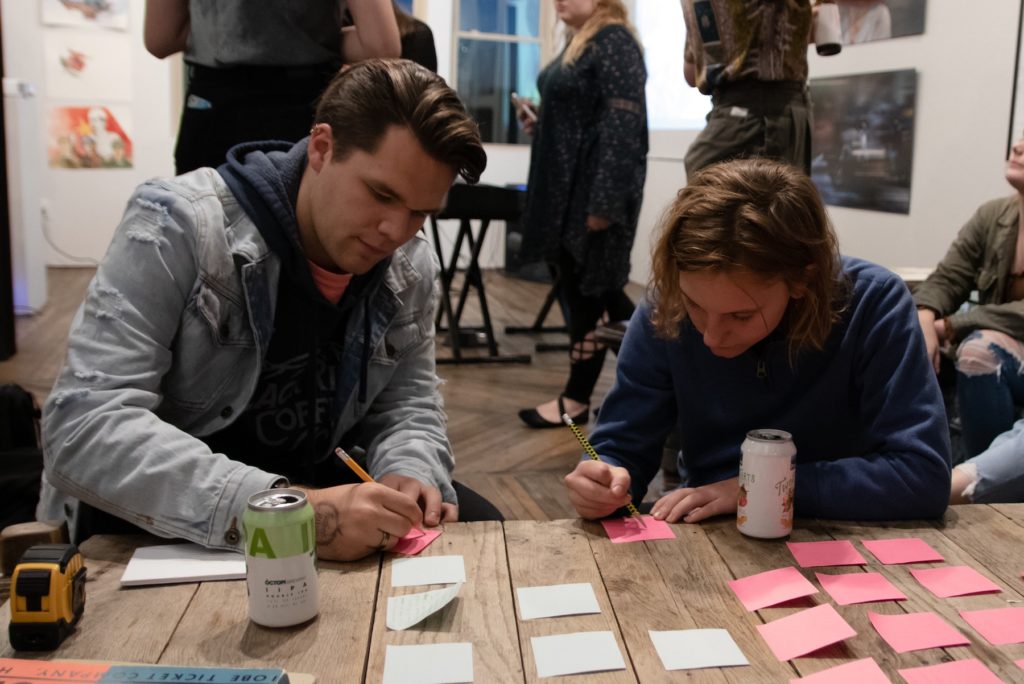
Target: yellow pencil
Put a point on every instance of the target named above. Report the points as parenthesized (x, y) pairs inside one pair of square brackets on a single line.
[(351, 463), (585, 443)]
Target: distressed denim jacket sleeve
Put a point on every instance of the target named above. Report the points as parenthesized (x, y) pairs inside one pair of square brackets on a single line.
[(104, 442)]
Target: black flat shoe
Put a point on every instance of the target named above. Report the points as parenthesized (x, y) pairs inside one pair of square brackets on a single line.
[(534, 420)]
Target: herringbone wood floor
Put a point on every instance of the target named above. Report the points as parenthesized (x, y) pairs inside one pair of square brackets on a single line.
[(519, 469)]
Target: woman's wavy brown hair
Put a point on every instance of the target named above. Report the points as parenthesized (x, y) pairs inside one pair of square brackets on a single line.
[(759, 216)]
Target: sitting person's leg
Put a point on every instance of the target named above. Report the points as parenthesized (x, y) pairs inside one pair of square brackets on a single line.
[(994, 476), (990, 386)]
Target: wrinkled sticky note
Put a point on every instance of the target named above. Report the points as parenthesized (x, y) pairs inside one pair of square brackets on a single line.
[(565, 654), (998, 625), (801, 633), (411, 609), (629, 529), (769, 588), (556, 600), (955, 580), (863, 671), (415, 541), (904, 550), (428, 664), (859, 587), (691, 649), (409, 572), (916, 631), (956, 672), (823, 553)]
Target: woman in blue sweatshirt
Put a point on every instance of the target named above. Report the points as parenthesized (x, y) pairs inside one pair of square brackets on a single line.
[(753, 320)]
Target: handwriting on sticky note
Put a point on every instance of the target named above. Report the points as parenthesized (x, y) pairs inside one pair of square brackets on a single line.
[(415, 541), (411, 609), (629, 529)]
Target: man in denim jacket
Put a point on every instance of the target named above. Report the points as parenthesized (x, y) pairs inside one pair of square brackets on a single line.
[(247, 320)]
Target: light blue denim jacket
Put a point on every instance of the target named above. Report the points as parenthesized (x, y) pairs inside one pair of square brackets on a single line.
[(168, 347)]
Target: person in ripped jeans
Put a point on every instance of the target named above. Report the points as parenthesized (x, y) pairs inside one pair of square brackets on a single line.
[(985, 340)]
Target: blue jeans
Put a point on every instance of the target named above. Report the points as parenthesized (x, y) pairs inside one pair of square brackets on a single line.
[(989, 387), (999, 470)]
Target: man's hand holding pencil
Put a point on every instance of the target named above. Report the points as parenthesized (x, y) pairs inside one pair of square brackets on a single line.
[(598, 489)]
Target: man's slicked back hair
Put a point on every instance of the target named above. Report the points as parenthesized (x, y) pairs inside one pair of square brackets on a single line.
[(364, 100)]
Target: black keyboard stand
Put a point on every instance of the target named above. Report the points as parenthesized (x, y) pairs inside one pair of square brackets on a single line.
[(469, 203), (538, 326)]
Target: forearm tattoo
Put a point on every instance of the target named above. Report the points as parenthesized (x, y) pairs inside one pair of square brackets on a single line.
[(327, 526)]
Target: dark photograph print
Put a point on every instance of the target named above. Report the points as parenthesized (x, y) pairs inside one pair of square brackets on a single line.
[(864, 21), (862, 143)]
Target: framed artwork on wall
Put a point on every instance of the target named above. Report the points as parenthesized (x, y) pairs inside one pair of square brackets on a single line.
[(87, 65), (864, 21), (862, 143), (95, 137), (107, 14)]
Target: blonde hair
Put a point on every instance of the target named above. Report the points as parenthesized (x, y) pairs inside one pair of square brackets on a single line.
[(606, 13), (758, 216)]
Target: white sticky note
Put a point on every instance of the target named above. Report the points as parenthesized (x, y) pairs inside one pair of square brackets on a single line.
[(557, 599), (429, 664), (689, 649), (410, 609), (409, 572), (175, 563), (565, 654)]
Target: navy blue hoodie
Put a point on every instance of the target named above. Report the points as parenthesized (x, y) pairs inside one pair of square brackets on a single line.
[(866, 412)]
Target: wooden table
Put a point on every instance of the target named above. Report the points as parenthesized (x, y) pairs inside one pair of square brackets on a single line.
[(661, 585)]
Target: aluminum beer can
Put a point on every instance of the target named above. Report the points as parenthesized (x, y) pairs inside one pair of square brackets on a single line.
[(280, 558), (767, 479)]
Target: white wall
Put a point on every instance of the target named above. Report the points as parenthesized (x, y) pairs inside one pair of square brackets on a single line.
[(83, 207)]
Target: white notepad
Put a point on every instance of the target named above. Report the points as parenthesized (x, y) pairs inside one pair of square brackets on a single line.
[(416, 570), (565, 654), (689, 649), (412, 609), (556, 600), (428, 664), (176, 563)]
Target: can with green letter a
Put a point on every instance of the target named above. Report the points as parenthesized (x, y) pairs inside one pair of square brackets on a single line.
[(280, 558)]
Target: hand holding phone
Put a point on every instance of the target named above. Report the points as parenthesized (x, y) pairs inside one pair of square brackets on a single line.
[(525, 111)]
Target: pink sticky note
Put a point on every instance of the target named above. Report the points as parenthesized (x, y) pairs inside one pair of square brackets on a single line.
[(415, 541), (629, 529), (955, 580), (768, 588), (998, 625), (801, 633), (859, 587), (956, 672), (817, 554), (907, 550), (863, 671), (916, 631)]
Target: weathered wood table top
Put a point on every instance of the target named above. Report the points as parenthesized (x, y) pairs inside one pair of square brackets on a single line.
[(661, 585)]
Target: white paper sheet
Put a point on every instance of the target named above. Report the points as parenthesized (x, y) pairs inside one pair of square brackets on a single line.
[(429, 664), (175, 563), (409, 572), (410, 609), (557, 599), (565, 654), (689, 649)]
